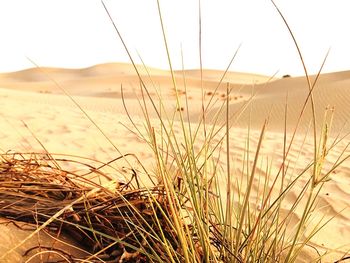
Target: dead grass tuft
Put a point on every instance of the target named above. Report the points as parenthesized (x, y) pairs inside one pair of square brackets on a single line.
[(119, 221)]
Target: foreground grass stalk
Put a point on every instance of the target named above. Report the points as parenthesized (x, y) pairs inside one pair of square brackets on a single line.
[(172, 201), (243, 210), (229, 212)]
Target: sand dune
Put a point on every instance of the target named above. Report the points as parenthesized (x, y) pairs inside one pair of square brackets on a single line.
[(30, 97), (269, 100), (232, 77), (105, 77)]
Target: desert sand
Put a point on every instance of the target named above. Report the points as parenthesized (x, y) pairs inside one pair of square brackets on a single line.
[(32, 103)]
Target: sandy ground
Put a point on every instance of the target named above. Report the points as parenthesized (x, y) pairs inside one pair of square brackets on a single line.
[(33, 102)]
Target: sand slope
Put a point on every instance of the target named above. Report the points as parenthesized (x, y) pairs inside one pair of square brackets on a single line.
[(30, 98)]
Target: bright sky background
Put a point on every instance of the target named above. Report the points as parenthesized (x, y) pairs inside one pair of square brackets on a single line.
[(78, 33)]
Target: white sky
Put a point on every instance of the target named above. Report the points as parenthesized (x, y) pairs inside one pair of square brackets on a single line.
[(78, 33)]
